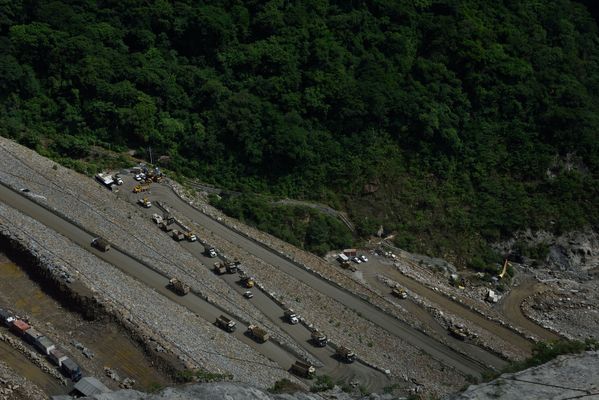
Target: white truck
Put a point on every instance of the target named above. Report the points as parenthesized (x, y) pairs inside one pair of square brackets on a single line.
[(225, 323), (291, 316)]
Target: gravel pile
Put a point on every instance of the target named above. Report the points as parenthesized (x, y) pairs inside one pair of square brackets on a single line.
[(342, 325), (566, 377), (15, 387), (568, 307), (172, 327)]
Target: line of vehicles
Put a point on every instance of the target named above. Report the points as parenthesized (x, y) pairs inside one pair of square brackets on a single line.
[(254, 331)]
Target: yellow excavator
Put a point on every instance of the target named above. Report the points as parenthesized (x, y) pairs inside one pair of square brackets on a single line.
[(140, 188), (504, 270)]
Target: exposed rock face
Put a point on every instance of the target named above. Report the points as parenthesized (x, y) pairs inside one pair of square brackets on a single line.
[(208, 391), (576, 253), (566, 377)]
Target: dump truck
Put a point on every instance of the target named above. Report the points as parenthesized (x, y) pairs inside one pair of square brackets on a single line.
[(303, 369), (219, 268), (319, 339), (246, 280), (101, 244), (291, 316), (211, 252), (141, 188), (164, 226), (400, 293), (178, 286), (232, 266), (190, 236), (458, 332), (178, 235), (345, 354), (157, 218), (145, 202), (259, 334), (225, 323)]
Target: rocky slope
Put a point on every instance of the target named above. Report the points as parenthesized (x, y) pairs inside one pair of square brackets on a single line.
[(566, 377)]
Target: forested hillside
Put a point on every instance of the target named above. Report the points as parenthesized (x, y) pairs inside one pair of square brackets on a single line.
[(450, 122)]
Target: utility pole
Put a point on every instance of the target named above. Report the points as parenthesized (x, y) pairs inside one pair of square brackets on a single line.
[(151, 160)]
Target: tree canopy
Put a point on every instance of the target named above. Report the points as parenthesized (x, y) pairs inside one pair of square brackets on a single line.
[(474, 118)]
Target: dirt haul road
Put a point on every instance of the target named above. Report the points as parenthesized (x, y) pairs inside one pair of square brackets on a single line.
[(368, 377), (141, 272), (437, 350)]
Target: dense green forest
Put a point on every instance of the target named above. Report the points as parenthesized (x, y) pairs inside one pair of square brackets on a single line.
[(452, 123)]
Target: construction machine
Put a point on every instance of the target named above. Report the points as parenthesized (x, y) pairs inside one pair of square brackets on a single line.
[(141, 188), (178, 286), (458, 332), (219, 268), (190, 236), (319, 339), (145, 202), (246, 280), (303, 369), (291, 316), (232, 266), (101, 244), (178, 235), (225, 323), (504, 270), (399, 293), (259, 334), (345, 354)]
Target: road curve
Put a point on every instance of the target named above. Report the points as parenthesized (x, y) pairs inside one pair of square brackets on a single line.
[(141, 272), (437, 350), (511, 307)]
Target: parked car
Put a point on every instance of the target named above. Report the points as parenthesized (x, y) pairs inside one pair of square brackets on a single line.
[(248, 294), (363, 258), (356, 260)]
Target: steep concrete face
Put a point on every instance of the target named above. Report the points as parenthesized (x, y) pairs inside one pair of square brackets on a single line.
[(566, 377)]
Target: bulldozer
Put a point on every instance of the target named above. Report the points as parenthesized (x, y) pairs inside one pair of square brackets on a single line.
[(141, 188)]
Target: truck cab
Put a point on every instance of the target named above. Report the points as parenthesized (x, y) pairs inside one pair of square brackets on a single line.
[(212, 252), (101, 244), (319, 339), (291, 316), (303, 369), (345, 354), (225, 323)]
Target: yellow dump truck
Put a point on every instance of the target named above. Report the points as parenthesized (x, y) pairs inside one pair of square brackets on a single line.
[(257, 333)]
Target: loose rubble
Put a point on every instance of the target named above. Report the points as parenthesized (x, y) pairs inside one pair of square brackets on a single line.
[(566, 377), (153, 316), (15, 387), (341, 324)]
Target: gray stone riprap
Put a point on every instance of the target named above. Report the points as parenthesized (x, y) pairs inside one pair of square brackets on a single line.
[(103, 213), (15, 387), (566, 377), (156, 319), (341, 324), (231, 391)]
